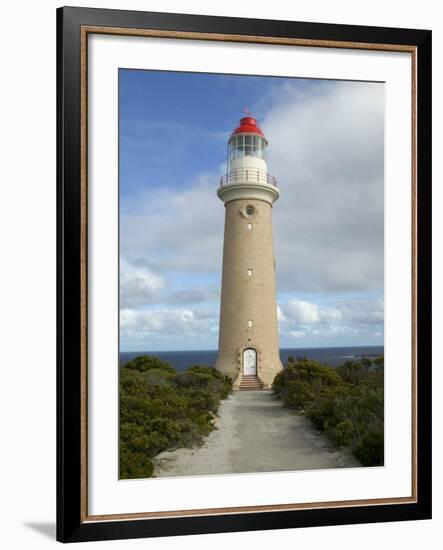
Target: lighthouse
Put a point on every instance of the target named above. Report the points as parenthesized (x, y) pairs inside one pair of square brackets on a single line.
[(248, 337)]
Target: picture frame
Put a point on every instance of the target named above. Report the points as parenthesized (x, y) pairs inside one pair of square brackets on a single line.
[(74, 27)]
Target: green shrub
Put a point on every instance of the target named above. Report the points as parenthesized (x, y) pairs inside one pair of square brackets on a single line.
[(162, 409), (143, 363), (134, 464), (365, 372), (303, 381), (370, 449), (346, 403)]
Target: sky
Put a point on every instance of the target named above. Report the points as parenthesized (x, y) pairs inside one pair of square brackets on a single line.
[(326, 149)]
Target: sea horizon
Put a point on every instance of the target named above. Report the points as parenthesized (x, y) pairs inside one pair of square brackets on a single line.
[(333, 356)]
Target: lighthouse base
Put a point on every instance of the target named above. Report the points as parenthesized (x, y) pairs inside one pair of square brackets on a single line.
[(241, 369)]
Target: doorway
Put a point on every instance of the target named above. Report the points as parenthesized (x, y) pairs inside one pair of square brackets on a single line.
[(249, 362)]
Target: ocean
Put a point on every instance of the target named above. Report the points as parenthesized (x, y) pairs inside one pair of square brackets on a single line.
[(333, 357)]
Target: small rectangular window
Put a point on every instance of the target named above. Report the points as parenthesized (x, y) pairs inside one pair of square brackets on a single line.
[(249, 226), (249, 323), (249, 272)]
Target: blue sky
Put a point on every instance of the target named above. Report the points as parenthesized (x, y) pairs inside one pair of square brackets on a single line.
[(326, 150), (175, 125)]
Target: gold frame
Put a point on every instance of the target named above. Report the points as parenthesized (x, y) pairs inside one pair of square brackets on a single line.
[(85, 31)]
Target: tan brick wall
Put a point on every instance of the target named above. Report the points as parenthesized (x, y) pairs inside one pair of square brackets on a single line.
[(247, 298)]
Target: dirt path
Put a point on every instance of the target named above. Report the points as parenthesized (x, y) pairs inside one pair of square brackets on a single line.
[(255, 434)]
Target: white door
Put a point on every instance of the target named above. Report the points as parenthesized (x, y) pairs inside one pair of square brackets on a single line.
[(249, 362)]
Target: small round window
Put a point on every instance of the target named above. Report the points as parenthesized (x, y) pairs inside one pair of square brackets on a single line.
[(248, 211)]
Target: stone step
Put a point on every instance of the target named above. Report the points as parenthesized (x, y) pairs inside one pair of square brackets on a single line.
[(250, 382)]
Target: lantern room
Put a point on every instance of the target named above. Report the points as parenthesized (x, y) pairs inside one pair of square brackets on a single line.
[(247, 142), (247, 171)]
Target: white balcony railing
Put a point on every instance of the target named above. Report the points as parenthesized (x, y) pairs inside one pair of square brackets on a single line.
[(248, 175)]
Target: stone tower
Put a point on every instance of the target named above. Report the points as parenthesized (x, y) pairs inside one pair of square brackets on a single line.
[(248, 338)]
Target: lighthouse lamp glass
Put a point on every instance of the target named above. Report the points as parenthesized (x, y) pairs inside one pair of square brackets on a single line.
[(246, 144)]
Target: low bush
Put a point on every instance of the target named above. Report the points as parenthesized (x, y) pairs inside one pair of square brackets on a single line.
[(346, 403), (143, 363), (302, 381), (162, 409)]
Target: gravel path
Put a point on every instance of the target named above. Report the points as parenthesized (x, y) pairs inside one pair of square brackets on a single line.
[(255, 433)]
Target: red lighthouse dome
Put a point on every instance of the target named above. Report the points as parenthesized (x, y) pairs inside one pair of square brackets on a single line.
[(248, 125)]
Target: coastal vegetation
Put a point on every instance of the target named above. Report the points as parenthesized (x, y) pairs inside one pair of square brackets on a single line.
[(162, 409), (346, 403)]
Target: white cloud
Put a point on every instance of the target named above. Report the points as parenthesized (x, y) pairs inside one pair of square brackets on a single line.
[(297, 333), (138, 284), (302, 312), (346, 318), (138, 325), (280, 315), (140, 287), (178, 229), (326, 150)]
